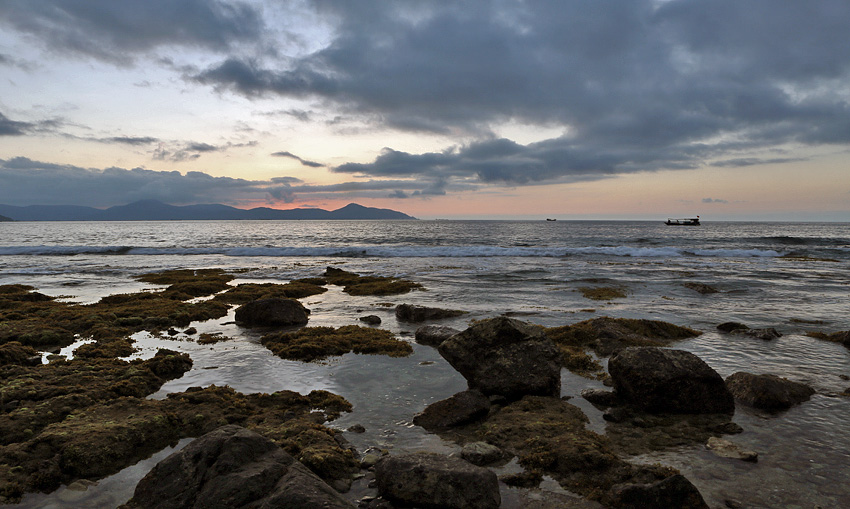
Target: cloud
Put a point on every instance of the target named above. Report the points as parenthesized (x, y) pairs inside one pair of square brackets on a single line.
[(713, 200), (10, 127), (119, 31), (131, 140), (637, 85), (24, 182), (311, 164)]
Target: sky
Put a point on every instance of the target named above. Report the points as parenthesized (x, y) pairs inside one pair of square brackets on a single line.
[(569, 109)]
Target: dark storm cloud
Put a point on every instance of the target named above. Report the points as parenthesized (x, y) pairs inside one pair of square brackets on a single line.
[(24, 181), (637, 85), (311, 164), (118, 31)]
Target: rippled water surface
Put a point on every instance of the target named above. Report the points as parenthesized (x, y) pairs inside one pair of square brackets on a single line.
[(791, 276)]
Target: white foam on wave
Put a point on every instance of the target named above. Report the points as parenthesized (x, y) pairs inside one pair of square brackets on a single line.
[(393, 251)]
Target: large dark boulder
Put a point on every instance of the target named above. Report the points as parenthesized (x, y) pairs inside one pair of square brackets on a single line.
[(658, 380), (506, 357), (433, 481), (233, 467), (767, 392), (411, 313), (462, 408), (433, 335), (674, 492), (272, 312)]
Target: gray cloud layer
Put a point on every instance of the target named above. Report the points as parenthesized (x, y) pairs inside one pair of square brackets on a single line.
[(634, 85), (26, 182)]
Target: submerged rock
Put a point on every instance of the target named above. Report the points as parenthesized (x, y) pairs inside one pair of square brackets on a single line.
[(371, 319), (506, 357), (481, 453), (411, 313), (433, 335), (739, 328), (701, 288), (767, 392), (659, 380), (434, 481), (462, 408), (729, 449), (675, 492), (600, 397), (233, 467), (272, 312)]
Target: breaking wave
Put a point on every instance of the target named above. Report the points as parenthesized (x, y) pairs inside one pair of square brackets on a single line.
[(392, 251)]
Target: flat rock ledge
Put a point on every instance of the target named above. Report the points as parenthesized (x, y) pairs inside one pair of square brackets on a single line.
[(767, 392), (433, 481), (505, 357), (233, 467), (658, 380)]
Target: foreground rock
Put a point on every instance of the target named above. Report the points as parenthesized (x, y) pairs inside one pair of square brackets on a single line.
[(767, 392), (506, 357), (411, 313), (272, 312), (675, 492), (233, 467), (462, 408), (434, 335), (433, 481), (658, 380)]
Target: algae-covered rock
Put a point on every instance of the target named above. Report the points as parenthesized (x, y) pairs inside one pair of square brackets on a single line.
[(842, 337), (99, 439), (434, 481), (767, 392), (232, 467), (728, 449), (659, 380), (505, 357), (605, 335), (16, 353), (247, 292), (355, 284), (272, 312), (314, 343)]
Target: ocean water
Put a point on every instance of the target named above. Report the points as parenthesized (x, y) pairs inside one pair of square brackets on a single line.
[(794, 277)]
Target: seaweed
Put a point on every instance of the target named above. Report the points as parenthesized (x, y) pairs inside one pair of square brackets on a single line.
[(316, 343), (355, 284), (247, 292), (602, 292)]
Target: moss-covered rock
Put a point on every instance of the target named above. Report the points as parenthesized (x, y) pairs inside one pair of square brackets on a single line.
[(100, 439), (355, 284), (315, 343), (247, 292)]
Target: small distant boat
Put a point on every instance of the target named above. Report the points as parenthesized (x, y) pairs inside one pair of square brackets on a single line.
[(688, 221), (551, 219)]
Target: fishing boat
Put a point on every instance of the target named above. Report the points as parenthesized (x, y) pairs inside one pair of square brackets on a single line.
[(548, 219), (688, 221)]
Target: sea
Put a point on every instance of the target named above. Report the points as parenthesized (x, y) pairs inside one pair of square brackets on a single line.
[(794, 277)]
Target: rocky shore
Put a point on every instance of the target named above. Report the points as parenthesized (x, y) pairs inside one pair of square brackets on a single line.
[(64, 420)]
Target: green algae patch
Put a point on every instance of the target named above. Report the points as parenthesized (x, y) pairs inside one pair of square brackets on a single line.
[(105, 437), (602, 292), (207, 338), (106, 348), (355, 284), (316, 343), (189, 282), (36, 320), (33, 398), (548, 436), (604, 335), (16, 353), (247, 292)]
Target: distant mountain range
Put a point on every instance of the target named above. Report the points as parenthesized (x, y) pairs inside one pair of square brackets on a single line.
[(152, 210)]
